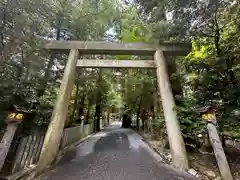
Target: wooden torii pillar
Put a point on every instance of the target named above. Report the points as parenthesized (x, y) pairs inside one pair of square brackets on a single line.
[(178, 151), (59, 115), (55, 129)]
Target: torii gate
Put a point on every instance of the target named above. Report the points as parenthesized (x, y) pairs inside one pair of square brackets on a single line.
[(59, 115)]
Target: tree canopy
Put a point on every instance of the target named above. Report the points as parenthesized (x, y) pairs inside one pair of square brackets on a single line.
[(31, 76)]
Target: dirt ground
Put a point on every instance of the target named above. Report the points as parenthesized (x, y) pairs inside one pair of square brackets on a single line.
[(202, 162)]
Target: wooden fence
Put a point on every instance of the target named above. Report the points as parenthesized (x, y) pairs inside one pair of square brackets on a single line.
[(28, 151), (29, 148)]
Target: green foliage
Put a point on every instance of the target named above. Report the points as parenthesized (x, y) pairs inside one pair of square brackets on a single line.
[(209, 74), (26, 68), (199, 52)]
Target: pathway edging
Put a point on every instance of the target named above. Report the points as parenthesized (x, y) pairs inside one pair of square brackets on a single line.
[(164, 161), (30, 173)]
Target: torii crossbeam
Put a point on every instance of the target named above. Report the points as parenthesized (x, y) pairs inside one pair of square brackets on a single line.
[(113, 48)]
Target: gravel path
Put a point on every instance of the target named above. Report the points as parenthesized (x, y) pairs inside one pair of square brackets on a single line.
[(113, 154)]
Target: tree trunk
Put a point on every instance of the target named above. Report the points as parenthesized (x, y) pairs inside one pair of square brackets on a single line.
[(20, 68), (152, 117), (75, 103), (108, 116), (81, 107), (43, 83), (138, 112), (88, 114), (97, 117), (98, 104), (175, 80)]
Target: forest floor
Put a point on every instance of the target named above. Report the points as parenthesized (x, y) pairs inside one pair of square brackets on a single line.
[(202, 163)]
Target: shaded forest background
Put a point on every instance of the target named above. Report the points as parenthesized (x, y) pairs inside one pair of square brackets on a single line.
[(30, 76)]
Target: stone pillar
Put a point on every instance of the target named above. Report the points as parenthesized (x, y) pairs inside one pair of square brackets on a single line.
[(6, 142), (219, 152)]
